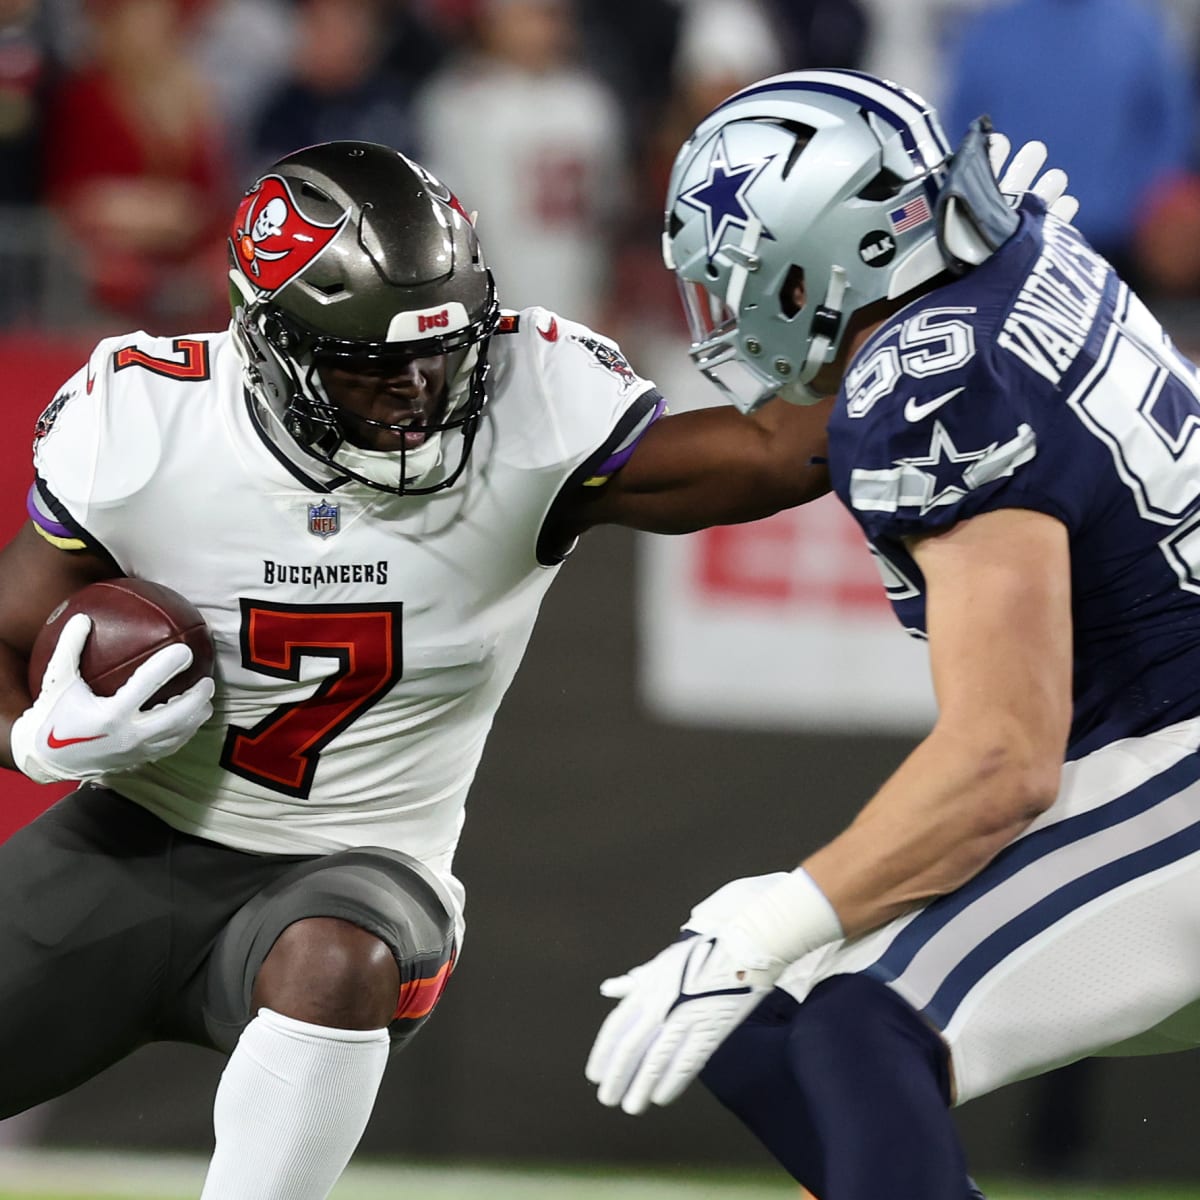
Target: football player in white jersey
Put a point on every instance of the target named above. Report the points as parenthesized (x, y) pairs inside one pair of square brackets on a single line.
[(1018, 441), (366, 484)]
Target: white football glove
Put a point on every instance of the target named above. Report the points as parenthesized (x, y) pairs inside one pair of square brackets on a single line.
[(674, 1011), (70, 733), (1021, 175), (712, 913)]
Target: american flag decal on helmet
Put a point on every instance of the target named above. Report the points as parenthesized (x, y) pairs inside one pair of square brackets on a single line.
[(909, 216)]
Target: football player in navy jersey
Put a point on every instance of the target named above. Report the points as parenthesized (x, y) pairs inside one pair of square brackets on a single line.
[(1017, 438)]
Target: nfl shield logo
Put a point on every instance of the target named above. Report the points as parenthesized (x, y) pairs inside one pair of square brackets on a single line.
[(323, 519)]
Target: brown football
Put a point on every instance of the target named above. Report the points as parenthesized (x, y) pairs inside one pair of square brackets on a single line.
[(131, 619)]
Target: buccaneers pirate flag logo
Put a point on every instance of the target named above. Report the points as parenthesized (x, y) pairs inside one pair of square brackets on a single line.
[(272, 241)]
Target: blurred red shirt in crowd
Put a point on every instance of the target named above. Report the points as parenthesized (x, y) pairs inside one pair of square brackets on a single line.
[(136, 166)]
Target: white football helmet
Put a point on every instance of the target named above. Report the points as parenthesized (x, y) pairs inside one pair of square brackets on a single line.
[(828, 178)]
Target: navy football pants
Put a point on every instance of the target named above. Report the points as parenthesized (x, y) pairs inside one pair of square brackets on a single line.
[(849, 1091)]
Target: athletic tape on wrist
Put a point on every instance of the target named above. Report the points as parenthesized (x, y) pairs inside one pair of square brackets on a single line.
[(790, 918)]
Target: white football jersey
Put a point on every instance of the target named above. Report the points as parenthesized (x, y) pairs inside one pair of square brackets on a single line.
[(363, 640)]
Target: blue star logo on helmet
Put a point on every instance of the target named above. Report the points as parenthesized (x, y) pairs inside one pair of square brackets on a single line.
[(722, 196)]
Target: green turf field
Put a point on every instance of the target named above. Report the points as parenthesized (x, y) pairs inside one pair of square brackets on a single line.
[(601, 1191), (34, 1176)]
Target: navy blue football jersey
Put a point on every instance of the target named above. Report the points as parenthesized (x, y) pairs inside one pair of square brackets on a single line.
[(1040, 381)]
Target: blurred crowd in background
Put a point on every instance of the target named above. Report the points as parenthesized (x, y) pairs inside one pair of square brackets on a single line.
[(128, 128)]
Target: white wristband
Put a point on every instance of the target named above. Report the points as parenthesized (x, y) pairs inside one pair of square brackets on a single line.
[(20, 747), (790, 918)]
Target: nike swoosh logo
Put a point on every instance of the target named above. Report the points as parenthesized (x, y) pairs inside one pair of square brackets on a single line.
[(693, 965), (57, 743), (913, 411), (551, 334)]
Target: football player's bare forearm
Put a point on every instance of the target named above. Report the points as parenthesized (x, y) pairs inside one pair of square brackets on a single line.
[(936, 823), (999, 627), (716, 466), (691, 506)]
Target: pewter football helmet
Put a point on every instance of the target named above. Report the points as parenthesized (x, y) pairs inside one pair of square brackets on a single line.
[(348, 252), (825, 178)]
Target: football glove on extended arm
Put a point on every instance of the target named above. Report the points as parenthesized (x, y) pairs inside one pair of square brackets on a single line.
[(676, 1009), (70, 733)]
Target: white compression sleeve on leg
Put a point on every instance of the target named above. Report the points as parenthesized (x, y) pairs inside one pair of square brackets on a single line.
[(291, 1107)]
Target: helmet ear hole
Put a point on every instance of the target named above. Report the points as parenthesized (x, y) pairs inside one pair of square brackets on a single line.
[(792, 294), (884, 186)]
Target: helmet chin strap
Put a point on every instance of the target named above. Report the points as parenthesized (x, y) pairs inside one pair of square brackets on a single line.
[(390, 467), (922, 264), (827, 322), (800, 394), (458, 388)]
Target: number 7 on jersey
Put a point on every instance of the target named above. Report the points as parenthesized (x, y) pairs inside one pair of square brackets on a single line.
[(282, 750)]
